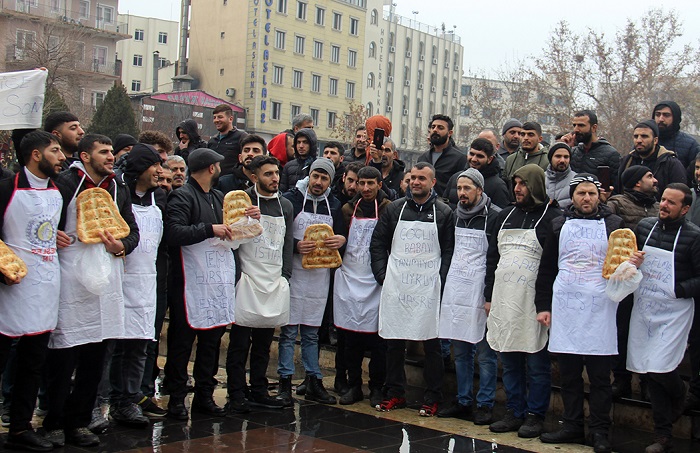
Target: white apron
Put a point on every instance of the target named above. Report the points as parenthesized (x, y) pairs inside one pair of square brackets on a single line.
[(409, 307), (262, 293), (82, 316), (140, 274), (308, 288), (355, 291), (462, 315), (660, 322), (512, 323), (583, 317), (29, 229)]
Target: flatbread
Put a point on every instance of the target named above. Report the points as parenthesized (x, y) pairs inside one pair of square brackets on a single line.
[(322, 257), (621, 246), (11, 265), (235, 204), (98, 212)]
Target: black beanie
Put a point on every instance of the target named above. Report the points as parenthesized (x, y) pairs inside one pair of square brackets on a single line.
[(556, 146), (121, 141), (139, 159), (649, 124), (633, 174)]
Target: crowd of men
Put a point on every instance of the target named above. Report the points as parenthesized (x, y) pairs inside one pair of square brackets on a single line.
[(496, 251)]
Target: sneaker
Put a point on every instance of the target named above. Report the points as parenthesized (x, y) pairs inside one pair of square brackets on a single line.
[(508, 423), (428, 410), (266, 401), (150, 408), (5, 418), (28, 440), (129, 415), (98, 422), (376, 396), (82, 437), (57, 437), (483, 415), (236, 407), (392, 403), (456, 411), (531, 427)]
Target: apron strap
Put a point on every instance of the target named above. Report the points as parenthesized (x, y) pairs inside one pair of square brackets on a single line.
[(75, 194), (675, 241), (505, 220), (542, 217)]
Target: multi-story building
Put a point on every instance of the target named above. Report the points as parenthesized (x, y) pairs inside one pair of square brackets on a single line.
[(74, 39), (138, 54)]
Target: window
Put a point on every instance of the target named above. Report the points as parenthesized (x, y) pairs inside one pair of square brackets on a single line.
[(335, 54), (350, 90), (390, 69), (162, 62), (421, 50), (391, 39), (320, 16), (80, 51), (296, 109), (276, 110), (372, 50), (25, 39), (138, 60), (333, 86), (162, 37), (370, 80), (98, 97), (318, 50), (314, 115), (466, 90), (55, 6), (301, 10), (420, 76), (369, 108), (297, 78), (279, 39), (389, 98), (316, 83), (99, 55), (464, 110), (332, 117), (282, 6), (337, 21), (135, 85), (53, 45), (105, 15), (299, 44), (494, 93), (84, 10), (408, 44), (373, 17), (138, 35), (434, 54), (277, 75), (352, 58), (354, 26)]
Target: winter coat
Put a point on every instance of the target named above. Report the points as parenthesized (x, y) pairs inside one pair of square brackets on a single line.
[(228, 146), (632, 206), (451, 161), (494, 186), (521, 158), (557, 183), (190, 128), (601, 153), (663, 164), (684, 145)]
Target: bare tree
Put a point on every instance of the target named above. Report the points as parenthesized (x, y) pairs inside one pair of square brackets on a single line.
[(349, 121)]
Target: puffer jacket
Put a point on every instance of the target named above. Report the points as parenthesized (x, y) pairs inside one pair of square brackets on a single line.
[(557, 183), (633, 208), (663, 164), (694, 213), (684, 145), (190, 128), (601, 153)]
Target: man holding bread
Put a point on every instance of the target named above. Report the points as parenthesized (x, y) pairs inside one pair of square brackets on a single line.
[(313, 204)]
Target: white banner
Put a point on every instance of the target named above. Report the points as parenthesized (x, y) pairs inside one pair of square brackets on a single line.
[(22, 99)]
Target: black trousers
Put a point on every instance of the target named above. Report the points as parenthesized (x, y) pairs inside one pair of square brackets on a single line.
[(600, 401), (432, 372), (151, 370), (126, 371), (341, 361), (694, 354), (243, 340), (31, 353), (180, 340), (356, 343), (664, 390), (624, 312), (71, 408)]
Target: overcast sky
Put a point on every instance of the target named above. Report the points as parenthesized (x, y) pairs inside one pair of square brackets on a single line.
[(498, 31)]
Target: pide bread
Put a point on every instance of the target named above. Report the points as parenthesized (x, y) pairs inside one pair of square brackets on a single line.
[(11, 265), (322, 257), (98, 212), (235, 204), (622, 244)]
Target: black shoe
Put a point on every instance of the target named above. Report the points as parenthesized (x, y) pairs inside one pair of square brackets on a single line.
[(456, 411), (129, 415), (207, 406), (352, 396), (284, 391), (266, 401), (483, 415), (531, 427), (507, 424), (236, 407), (622, 388), (28, 440), (563, 436), (150, 408), (82, 437), (376, 396), (692, 402), (177, 410), (340, 386), (56, 436), (601, 443), (316, 392), (301, 388)]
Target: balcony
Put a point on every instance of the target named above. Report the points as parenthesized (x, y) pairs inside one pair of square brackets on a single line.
[(19, 58)]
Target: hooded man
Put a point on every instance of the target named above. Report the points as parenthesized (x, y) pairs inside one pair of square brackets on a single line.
[(187, 133), (305, 152), (281, 145), (513, 329), (667, 115), (559, 174), (123, 144)]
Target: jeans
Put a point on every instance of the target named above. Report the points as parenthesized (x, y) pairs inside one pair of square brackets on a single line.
[(464, 368), (126, 370), (528, 381), (600, 400), (309, 350), (488, 374)]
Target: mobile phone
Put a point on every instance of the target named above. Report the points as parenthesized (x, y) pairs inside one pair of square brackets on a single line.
[(604, 177), (378, 139)]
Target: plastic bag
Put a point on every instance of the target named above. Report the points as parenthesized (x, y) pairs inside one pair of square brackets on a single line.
[(245, 230), (95, 268), (623, 282)]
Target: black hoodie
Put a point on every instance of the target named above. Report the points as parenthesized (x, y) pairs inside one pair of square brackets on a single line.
[(298, 168), (671, 138), (190, 128)]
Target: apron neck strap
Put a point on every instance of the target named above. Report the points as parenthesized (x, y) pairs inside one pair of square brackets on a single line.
[(675, 241), (376, 208)]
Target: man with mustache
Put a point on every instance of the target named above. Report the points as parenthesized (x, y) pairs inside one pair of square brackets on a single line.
[(667, 115), (511, 138), (66, 127), (443, 155), (252, 146), (165, 181), (559, 174), (358, 152), (179, 169), (531, 150)]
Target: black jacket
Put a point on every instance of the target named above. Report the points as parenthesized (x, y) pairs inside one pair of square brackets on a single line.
[(393, 179), (228, 146), (684, 145), (663, 164), (549, 268), (494, 186), (451, 161), (296, 196), (601, 153), (237, 180), (190, 128)]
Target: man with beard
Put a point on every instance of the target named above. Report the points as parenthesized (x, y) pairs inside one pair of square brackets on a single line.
[(511, 138), (588, 151), (179, 169), (165, 180), (305, 152), (667, 115), (32, 206), (252, 146), (462, 315), (66, 127), (334, 151), (443, 154), (559, 174), (228, 141), (531, 151), (664, 164), (358, 152), (390, 166), (188, 134), (346, 188), (194, 228)]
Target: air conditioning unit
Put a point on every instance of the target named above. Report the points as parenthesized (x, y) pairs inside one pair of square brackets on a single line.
[(447, 64), (230, 92), (444, 92), (433, 89), (434, 60), (405, 112), (420, 86), (403, 141), (408, 54), (419, 114), (422, 58), (454, 94), (390, 79), (407, 83), (388, 108), (392, 49)]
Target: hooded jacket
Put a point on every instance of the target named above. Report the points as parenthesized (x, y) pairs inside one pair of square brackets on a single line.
[(298, 169), (663, 164), (237, 180), (601, 153), (494, 186), (557, 183), (684, 145), (451, 161), (694, 213), (278, 146), (190, 128), (520, 158)]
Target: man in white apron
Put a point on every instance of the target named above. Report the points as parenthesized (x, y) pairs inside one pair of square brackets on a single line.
[(664, 306), (202, 290), (85, 320), (313, 204), (462, 315), (512, 262), (356, 293), (571, 298), (31, 204), (410, 251), (262, 292), (143, 165)]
